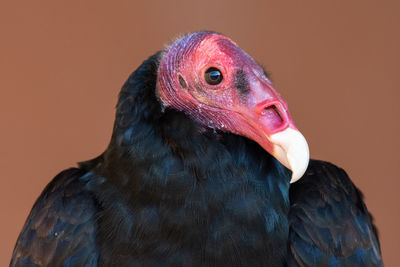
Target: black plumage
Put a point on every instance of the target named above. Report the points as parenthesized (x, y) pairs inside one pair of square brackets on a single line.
[(329, 222), (170, 192), (61, 228)]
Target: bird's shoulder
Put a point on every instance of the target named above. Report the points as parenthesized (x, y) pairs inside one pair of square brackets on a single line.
[(60, 229), (329, 222)]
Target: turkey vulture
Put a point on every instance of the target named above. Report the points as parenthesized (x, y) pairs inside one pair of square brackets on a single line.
[(201, 170)]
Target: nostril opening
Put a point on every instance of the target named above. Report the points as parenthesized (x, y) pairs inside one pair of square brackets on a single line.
[(272, 111), (274, 117)]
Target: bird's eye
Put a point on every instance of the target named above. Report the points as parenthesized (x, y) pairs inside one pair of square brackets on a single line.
[(213, 76)]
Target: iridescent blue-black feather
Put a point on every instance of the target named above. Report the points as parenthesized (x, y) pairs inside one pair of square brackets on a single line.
[(170, 192), (329, 223), (61, 228)]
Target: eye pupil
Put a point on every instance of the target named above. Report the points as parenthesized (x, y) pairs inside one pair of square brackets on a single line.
[(213, 76)]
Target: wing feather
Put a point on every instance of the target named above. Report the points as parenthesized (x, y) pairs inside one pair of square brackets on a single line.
[(329, 222), (61, 228)]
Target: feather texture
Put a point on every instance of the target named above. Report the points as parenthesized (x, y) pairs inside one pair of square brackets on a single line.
[(329, 223), (61, 228), (170, 192)]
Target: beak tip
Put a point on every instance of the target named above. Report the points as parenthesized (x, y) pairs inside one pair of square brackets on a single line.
[(300, 162), (292, 151), (296, 175)]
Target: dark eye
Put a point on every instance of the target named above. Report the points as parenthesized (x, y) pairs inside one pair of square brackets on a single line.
[(213, 76)]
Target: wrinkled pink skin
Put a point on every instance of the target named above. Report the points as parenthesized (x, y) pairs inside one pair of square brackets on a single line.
[(221, 106)]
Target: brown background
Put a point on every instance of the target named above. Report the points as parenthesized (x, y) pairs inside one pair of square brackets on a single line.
[(62, 64)]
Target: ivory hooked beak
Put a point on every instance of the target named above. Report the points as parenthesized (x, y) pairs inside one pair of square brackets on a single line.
[(291, 149)]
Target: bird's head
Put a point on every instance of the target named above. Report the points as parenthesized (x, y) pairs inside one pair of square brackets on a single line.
[(207, 76)]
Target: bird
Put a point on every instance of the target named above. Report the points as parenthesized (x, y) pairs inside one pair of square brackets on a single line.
[(205, 167)]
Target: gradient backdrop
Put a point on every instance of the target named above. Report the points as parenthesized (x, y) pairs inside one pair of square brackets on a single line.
[(62, 65)]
